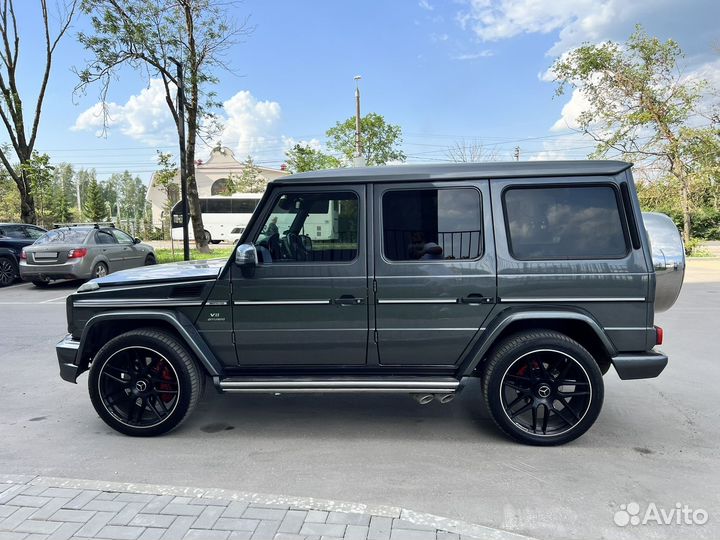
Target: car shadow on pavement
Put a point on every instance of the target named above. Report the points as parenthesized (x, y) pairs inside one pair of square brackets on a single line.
[(364, 416)]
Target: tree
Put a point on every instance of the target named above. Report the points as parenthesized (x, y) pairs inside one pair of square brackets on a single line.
[(165, 180), (38, 172), (641, 106), (380, 140), (64, 194), (150, 35), (471, 152), (230, 186), (95, 209), (250, 181), (16, 119), (302, 158)]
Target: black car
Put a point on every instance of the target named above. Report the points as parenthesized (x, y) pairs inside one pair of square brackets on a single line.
[(14, 237)]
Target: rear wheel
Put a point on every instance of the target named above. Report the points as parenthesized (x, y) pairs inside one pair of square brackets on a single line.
[(144, 383), (100, 270), (150, 260), (208, 237), (8, 271), (543, 388)]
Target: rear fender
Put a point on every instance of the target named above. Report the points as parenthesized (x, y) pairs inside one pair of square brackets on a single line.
[(496, 329)]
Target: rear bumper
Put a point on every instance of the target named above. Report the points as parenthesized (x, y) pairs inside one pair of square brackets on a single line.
[(29, 272), (644, 365), (67, 351)]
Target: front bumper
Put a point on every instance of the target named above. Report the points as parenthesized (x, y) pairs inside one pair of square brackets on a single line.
[(67, 353), (643, 365)]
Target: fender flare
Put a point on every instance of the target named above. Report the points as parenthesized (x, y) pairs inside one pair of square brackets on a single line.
[(184, 327), (480, 348)]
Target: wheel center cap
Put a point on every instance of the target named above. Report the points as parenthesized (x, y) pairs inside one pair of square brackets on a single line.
[(543, 390), (141, 386)]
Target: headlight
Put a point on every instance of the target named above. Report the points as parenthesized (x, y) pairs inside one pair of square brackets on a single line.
[(89, 286)]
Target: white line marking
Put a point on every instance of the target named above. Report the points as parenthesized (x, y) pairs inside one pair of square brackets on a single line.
[(55, 299)]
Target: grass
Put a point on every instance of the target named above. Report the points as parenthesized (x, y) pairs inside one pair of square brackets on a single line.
[(166, 256)]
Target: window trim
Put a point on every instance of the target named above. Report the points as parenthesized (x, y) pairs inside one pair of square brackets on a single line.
[(432, 261), (620, 209), (262, 220)]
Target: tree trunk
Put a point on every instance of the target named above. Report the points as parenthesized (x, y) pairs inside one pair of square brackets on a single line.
[(27, 201), (201, 242)]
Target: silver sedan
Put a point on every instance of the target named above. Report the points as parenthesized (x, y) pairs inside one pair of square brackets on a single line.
[(82, 252)]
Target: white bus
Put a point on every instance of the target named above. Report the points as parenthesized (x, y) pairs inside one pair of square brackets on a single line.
[(224, 217)]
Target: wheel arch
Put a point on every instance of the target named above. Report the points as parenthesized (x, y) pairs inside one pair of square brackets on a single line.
[(105, 326), (577, 325)]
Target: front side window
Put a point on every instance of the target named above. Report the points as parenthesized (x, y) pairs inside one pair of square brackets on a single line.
[(122, 237), (432, 224), (574, 222), (310, 227)]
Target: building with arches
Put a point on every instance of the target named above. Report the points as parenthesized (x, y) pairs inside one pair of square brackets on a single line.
[(211, 176)]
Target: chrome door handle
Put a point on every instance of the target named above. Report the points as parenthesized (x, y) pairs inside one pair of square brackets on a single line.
[(347, 300), (475, 299)]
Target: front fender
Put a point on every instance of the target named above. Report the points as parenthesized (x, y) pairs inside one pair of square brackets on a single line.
[(184, 327), (511, 315)]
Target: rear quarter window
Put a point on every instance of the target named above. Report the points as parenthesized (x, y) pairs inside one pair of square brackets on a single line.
[(564, 222)]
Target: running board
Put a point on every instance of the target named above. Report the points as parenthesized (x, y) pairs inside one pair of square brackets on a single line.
[(445, 385)]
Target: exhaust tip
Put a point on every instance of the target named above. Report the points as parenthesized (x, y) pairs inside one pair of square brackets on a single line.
[(423, 399), (445, 398)]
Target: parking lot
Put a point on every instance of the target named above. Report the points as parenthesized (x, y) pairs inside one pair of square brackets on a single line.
[(656, 441)]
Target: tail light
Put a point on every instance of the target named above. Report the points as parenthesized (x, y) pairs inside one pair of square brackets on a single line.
[(23, 255), (659, 334), (78, 253)]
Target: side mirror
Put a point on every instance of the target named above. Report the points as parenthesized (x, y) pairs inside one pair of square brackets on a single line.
[(137, 240), (246, 258)]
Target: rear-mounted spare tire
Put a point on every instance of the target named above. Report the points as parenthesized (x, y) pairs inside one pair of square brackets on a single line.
[(668, 254)]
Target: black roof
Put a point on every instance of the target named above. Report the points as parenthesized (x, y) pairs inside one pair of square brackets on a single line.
[(455, 171)]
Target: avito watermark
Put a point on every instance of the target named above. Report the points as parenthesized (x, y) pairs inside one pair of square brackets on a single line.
[(680, 514)]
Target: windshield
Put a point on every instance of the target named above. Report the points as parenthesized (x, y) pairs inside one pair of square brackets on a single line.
[(63, 236)]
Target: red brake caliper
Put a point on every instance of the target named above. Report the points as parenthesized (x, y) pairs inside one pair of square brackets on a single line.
[(165, 375)]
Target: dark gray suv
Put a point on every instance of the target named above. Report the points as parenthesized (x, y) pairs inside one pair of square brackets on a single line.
[(536, 277)]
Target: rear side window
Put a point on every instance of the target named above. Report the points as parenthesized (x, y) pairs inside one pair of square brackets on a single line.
[(104, 237), (432, 224), (574, 222)]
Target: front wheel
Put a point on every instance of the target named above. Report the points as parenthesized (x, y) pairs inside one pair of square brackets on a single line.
[(543, 388), (144, 383)]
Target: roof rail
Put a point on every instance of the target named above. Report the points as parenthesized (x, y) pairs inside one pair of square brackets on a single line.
[(96, 224)]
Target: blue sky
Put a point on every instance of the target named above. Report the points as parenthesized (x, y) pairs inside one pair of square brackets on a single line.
[(444, 70)]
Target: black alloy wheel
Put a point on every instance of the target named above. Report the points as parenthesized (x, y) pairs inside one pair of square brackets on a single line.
[(144, 383), (543, 388), (8, 271)]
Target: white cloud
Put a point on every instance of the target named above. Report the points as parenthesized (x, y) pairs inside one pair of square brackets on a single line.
[(473, 56), (577, 104), (144, 117), (425, 5), (248, 124)]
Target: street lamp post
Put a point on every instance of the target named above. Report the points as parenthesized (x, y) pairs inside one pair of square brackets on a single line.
[(359, 161), (183, 158)]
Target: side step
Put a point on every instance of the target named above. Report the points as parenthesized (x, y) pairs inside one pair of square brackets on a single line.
[(408, 385)]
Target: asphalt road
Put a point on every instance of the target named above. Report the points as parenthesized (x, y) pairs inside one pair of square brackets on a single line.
[(656, 441)]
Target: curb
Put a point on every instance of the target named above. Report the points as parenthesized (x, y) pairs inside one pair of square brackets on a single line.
[(479, 532)]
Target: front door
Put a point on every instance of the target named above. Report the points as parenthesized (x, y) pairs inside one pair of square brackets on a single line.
[(434, 269), (307, 301)]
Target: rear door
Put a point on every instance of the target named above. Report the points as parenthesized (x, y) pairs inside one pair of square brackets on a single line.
[(434, 268), (108, 246)]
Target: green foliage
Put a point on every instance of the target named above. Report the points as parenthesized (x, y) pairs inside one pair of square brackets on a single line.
[(641, 107), (694, 248), (9, 198), (38, 171), (95, 208), (380, 140), (250, 181), (230, 186), (303, 158), (166, 255)]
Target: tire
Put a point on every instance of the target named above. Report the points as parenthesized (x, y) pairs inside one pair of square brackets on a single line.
[(99, 270), (144, 383), (8, 271), (522, 394), (150, 260)]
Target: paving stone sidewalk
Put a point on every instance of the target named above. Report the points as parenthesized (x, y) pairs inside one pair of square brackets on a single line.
[(34, 507)]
